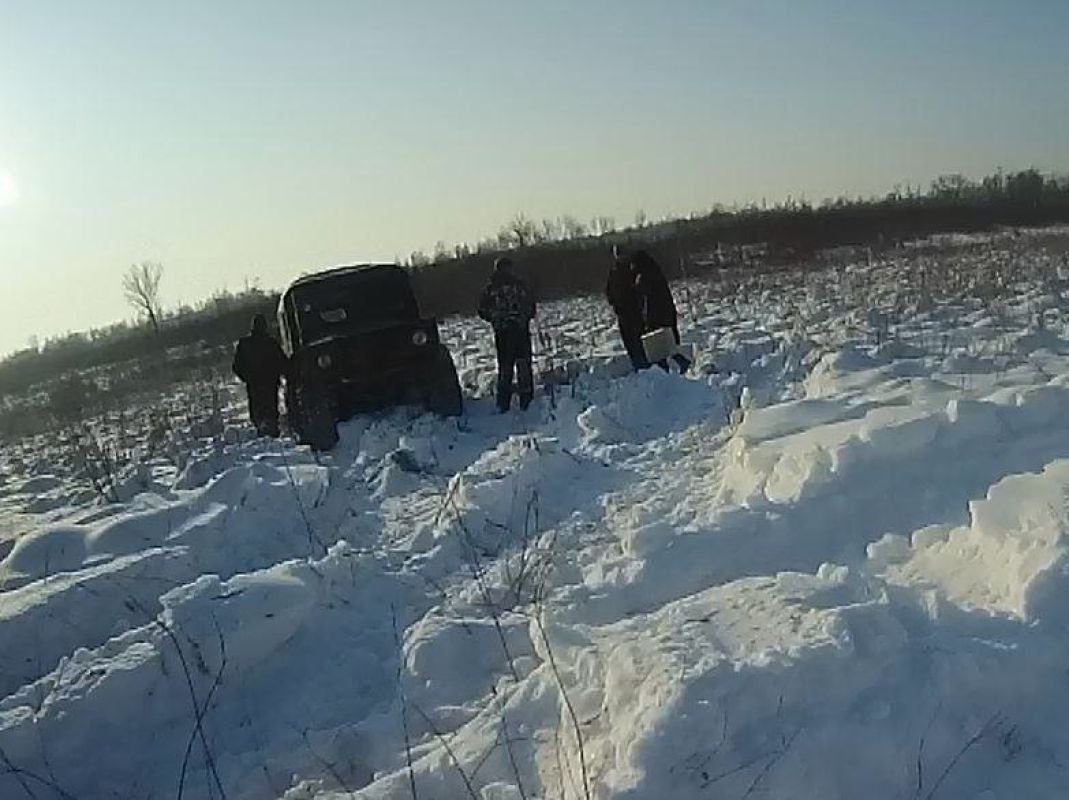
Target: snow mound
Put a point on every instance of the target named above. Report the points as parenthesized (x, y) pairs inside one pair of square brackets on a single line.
[(1011, 558)]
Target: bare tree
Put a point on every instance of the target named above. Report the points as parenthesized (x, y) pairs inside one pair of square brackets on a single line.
[(601, 225), (520, 231), (572, 228), (141, 285)]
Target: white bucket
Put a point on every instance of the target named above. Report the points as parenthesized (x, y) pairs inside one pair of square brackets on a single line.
[(659, 344)]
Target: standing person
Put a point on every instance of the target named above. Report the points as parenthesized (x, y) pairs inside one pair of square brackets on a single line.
[(506, 303), (260, 364), (622, 294), (658, 307)]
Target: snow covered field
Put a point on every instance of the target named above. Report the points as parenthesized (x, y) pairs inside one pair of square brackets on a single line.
[(829, 563)]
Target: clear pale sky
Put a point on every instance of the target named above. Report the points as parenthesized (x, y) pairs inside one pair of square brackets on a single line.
[(258, 139)]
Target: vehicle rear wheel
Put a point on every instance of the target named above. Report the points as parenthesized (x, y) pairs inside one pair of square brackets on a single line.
[(444, 396)]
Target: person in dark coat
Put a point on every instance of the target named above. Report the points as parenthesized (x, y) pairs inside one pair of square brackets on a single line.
[(622, 294), (655, 298), (508, 305), (260, 363)]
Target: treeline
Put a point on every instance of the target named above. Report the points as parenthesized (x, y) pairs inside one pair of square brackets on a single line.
[(208, 326), (576, 261), (563, 257)]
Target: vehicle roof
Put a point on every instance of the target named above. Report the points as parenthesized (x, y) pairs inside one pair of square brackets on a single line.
[(341, 272)]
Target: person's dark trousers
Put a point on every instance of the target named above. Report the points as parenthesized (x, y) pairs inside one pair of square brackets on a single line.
[(631, 334), (513, 346), (263, 407)]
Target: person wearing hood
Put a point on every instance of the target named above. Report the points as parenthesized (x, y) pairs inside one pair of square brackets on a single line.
[(507, 304), (655, 299), (622, 294), (260, 363)]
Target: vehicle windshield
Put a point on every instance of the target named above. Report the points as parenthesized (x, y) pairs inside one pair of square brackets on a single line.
[(353, 303)]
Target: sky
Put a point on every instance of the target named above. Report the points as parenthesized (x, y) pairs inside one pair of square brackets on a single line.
[(253, 140)]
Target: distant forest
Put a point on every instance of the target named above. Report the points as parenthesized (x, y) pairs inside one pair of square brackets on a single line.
[(564, 257)]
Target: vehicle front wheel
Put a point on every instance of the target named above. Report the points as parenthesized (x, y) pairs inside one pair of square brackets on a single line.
[(444, 397), (313, 419)]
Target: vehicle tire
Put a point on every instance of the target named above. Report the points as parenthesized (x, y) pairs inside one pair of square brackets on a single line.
[(444, 397), (315, 422)]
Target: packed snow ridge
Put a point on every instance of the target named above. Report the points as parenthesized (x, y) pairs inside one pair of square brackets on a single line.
[(830, 562)]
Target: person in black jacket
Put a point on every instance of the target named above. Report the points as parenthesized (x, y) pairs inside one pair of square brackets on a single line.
[(260, 363), (507, 304), (622, 294), (655, 298)]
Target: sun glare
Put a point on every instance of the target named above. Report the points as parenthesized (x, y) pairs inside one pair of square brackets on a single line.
[(9, 190)]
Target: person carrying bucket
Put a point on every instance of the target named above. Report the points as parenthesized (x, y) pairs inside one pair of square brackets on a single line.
[(655, 299)]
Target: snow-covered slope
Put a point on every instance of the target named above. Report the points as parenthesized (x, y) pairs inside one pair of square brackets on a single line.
[(830, 563)]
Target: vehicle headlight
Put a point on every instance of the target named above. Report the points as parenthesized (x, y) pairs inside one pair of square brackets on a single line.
[(324, 361), (420, 338)]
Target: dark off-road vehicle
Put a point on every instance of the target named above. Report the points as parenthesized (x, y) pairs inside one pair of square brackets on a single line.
[(356, 342)]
